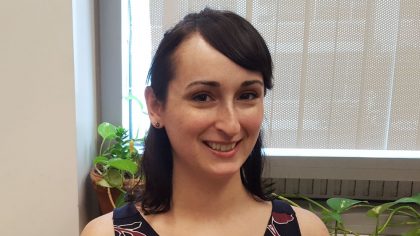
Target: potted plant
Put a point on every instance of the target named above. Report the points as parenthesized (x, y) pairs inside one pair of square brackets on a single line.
[(334, 209), (115, 169)]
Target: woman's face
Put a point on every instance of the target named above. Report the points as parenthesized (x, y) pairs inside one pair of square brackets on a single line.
[(213, 111)]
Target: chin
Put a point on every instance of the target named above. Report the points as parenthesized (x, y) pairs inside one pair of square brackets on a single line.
[(226, 172)]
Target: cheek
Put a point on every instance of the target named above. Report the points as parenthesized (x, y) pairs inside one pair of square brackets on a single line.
[(254, 125), (254, 120), (187, 118), (184, 123)]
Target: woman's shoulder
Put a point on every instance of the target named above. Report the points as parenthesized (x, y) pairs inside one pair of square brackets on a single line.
[(101, 226), (309, 223)]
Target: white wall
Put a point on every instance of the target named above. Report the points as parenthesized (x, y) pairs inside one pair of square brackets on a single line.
[(43, 164)]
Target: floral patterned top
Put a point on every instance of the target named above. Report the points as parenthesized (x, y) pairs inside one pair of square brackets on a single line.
[(129, 222)]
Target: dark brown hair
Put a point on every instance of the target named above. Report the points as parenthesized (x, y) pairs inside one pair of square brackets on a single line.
[(238, 40)]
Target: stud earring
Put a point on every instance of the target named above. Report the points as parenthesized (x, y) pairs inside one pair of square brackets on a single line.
[(157, 125)]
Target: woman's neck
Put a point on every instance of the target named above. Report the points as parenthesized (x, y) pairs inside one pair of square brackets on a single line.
[(210, 205), (194, 194)]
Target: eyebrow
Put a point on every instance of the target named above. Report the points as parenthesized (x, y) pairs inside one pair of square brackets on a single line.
[(217, 84)]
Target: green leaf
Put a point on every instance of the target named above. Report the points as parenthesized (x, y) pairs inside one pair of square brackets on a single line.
[(376, 211), (107, 130), (413, 199), (331, 216), (120, 200), (114, 178), (341, 204), (124, 165), (103, 183), (100, 159)]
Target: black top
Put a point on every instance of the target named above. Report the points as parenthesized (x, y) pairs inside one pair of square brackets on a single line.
[(129, 222)]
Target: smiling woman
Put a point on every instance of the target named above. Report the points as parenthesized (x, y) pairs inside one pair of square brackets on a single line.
[(212, 117), (202, 160)]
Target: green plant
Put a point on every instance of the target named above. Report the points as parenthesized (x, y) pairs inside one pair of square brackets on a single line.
[(118, 160), (399, 207), (334, 208)]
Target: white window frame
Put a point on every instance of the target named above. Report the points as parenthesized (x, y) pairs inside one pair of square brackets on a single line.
[(110, 55)]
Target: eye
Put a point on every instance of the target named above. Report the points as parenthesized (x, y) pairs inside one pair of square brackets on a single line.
[(201, 97), (248, 96)]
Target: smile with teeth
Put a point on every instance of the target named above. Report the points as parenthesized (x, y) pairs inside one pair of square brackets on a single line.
[(221, 147)]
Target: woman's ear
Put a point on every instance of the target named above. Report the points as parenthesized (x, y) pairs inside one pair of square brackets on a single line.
[(154, 107)]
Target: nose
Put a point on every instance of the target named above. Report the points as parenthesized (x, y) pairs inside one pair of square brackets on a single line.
[(227, 121)]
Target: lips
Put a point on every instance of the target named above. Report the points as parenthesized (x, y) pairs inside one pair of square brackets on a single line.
[(221, 147)]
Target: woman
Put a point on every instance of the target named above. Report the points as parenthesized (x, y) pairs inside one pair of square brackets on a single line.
[(202, 160)]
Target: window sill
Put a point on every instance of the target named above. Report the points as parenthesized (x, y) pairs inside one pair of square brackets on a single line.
[(343, 164)]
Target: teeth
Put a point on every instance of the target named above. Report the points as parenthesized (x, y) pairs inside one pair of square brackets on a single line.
[(221, 147)]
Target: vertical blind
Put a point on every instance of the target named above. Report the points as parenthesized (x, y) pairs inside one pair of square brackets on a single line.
[(346, 72)]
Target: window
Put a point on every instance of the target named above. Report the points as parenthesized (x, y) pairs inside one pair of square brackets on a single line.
[(347, 73), (136, 57), (347, 77)]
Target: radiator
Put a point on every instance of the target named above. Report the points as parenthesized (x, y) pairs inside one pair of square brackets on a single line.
[(355, 189), (357, 174)]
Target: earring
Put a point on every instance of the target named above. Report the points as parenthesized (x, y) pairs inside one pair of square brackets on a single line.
[(157, 125)]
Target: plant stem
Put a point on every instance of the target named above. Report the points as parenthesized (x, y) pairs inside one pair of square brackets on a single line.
[(403, 213), (102, 145), (376, 226), (385, 225), (110, 197), (99, 171), (410, 223), (344, 230), (122, 190), (415, 215), (287, 200), (315, 203), (335, 228)]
